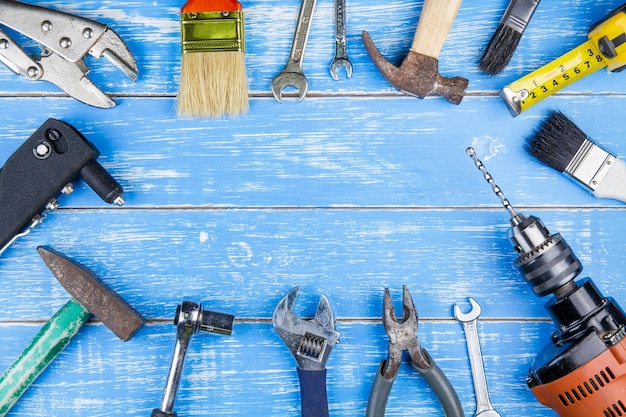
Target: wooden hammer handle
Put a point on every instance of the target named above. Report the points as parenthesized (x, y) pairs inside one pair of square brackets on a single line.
[(434, 24)]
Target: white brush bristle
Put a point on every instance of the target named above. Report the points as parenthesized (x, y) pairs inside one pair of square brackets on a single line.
[(212, 85)]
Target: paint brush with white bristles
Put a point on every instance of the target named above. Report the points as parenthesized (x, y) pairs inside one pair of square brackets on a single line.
[(562, 145), (504, 41)]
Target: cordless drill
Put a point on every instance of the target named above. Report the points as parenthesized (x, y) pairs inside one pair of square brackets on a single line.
[(582, 372)]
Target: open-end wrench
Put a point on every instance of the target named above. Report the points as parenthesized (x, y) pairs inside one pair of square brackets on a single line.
[(469, 319), (291, 74), (341, 50)]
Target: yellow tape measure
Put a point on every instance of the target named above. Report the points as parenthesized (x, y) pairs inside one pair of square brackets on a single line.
[(606, 47)]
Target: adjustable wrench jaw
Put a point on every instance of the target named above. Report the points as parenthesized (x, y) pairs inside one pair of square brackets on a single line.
[(310, 341)]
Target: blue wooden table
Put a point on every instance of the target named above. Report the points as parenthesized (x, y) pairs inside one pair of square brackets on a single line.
[(357, 188)]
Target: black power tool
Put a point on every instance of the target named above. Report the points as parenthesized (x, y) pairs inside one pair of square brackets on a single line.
[(582, 372)]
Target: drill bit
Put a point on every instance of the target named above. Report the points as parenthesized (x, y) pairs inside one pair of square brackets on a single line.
[(496, 189)]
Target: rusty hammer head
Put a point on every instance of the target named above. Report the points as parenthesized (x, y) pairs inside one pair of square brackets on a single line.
[(93, 294), (418, 75)]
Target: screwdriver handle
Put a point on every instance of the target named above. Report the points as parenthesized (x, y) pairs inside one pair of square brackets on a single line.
[(313, 399), (44, 347)]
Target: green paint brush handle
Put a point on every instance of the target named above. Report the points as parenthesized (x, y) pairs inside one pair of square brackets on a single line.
[(44, 347)]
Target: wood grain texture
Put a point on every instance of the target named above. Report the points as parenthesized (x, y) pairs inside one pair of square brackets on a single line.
[(355, 189)]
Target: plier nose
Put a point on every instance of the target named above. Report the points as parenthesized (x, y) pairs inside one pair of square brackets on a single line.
[(403, 336)]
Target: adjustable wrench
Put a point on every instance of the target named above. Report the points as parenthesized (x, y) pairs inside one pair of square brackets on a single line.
[(483, 404), (341, 50), (291, 74)]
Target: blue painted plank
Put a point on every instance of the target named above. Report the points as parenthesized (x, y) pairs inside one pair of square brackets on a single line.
[(151, 29), (252, 370), (248, 259), (350, 152)]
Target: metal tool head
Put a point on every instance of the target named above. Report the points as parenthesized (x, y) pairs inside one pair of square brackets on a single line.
[(113, 48), (285, 79), (418, 75), (340, 62), (402, 334), (309, 340), (471, 315), (71, 77), (93, 294)]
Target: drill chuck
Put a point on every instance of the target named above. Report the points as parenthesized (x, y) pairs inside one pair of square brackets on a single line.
[(546, 261)]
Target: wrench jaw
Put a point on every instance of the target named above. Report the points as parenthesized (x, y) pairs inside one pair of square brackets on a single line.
[(289, 79), (471, 315), (310, 341), (340, 62)]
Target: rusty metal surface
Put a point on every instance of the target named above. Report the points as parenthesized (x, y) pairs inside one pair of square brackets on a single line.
[(418, 75)]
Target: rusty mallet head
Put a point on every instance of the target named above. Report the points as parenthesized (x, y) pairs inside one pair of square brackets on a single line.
[(90, 296), (418, 75)]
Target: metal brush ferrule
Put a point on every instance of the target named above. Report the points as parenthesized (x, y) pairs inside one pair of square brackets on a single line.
[(590, 164), (518, 14), (212, 32)]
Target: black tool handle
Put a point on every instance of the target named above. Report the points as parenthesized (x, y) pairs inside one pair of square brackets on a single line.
[(313, 399), (442, 387), (40, 168)]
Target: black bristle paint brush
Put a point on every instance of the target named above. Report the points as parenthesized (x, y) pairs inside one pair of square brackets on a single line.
[(560, 144), (504, 41)]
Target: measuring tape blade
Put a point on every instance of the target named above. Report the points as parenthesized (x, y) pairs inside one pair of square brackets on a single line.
[(563, 71), (606, 47)]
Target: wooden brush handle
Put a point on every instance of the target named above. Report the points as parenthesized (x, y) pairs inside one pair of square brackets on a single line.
[(199, 6), (433, 26)]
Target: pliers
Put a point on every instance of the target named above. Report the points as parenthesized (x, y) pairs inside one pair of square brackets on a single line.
[(310, 342), (65, 40), (402, 336)]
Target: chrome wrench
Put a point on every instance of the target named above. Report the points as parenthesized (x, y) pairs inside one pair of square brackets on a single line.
[(341, 50), (469, 319), (291, 74)]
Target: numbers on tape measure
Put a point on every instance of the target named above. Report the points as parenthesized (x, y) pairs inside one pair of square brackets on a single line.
[(566, 75), (563, 71)]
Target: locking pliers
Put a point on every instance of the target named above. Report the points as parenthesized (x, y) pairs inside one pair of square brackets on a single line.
[(65, 40), (310, 342), (402, 336)]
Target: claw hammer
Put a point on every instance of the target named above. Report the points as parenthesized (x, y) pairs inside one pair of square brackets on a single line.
[(90, 296), (418, 75)]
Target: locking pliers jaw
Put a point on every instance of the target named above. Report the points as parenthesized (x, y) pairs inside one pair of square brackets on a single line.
[(66, 39)]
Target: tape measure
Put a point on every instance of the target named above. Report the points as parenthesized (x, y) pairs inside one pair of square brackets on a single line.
[(606, 47)]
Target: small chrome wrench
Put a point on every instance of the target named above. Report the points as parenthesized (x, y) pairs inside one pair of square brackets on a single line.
[(469, 319), (341, 51), (291, 74)]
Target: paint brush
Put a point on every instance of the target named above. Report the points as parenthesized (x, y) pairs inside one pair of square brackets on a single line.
[(213, 80), (504, 41), (560, 144)]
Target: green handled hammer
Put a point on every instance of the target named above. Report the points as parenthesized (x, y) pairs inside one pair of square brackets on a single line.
[(90, 296)]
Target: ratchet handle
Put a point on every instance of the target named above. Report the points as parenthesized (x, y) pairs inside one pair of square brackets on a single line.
[(313, 399), (442, 388)]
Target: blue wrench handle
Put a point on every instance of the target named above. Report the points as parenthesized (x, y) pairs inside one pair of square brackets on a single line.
[(313, 399)]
